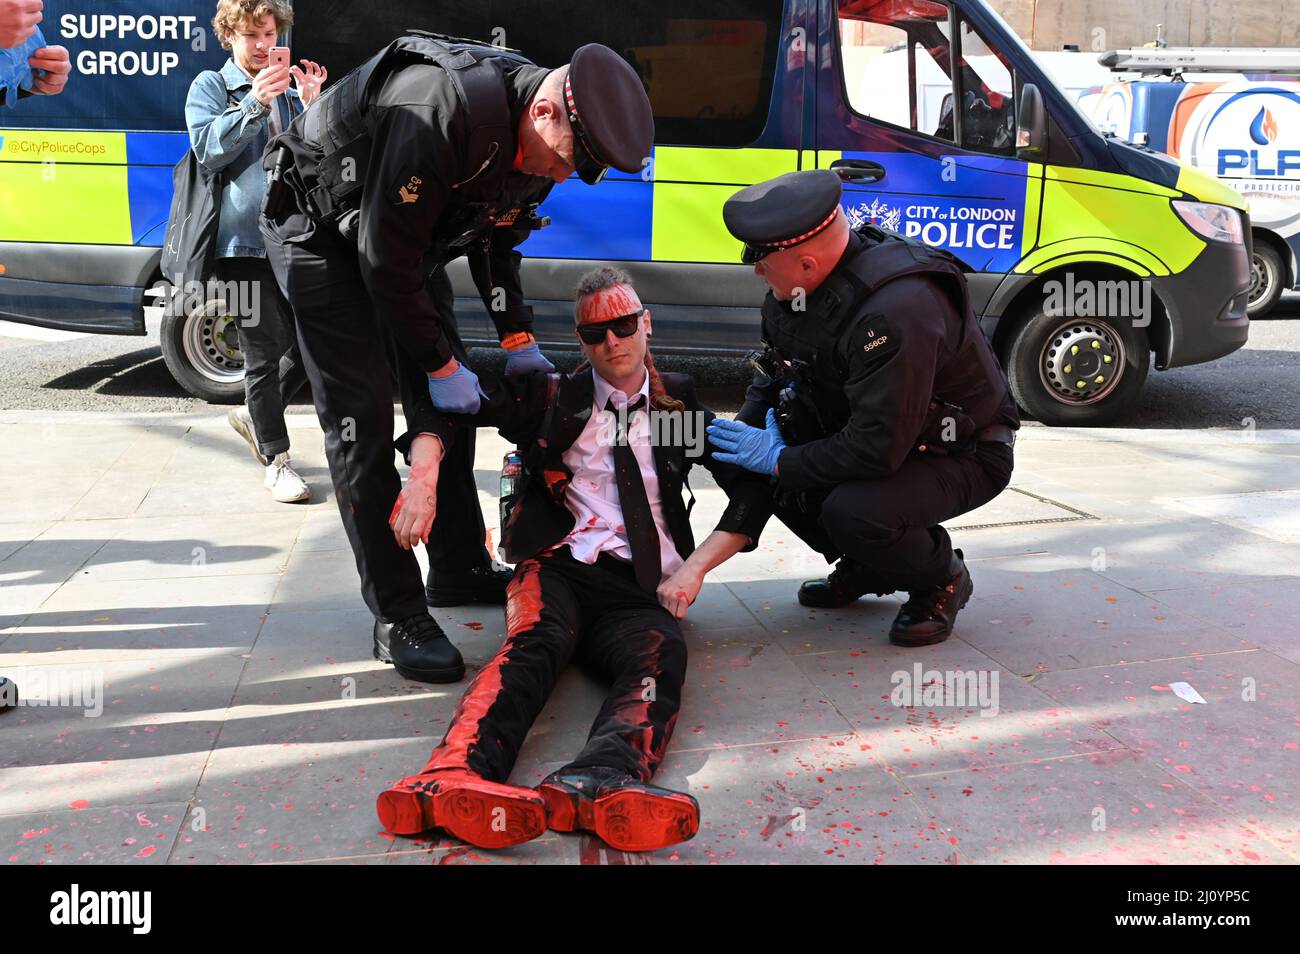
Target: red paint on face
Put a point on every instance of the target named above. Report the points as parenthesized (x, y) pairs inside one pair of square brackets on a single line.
[(608, 303)]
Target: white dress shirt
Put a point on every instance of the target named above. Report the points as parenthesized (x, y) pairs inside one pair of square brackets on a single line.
[(592, 494)]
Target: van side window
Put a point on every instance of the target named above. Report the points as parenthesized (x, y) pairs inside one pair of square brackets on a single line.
[(894, 58), (988, 116), (901, 67), (708, 67)]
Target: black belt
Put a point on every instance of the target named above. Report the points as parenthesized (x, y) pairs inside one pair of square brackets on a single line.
[(997, 434)]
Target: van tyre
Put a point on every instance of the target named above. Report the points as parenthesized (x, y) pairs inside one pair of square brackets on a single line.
[(1267, 279), (201, 350), (1077, 371)]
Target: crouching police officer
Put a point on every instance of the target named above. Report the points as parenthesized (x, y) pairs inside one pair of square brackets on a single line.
[(878, 406), (432, 149)]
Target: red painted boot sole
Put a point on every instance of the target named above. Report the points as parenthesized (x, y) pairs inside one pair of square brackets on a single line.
[(481, 813), (630, 820)]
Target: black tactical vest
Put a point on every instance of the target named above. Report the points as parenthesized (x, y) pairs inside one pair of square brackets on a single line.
[(338, 122), (971, 378)]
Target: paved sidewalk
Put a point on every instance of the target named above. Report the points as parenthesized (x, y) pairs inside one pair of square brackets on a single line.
[(243, 719)]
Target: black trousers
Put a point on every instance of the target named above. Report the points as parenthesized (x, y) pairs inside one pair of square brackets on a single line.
[(559, 610), (273, 371), (891, 525), (349, 358)]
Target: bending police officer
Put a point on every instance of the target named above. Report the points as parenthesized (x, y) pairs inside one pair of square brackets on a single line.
[(897, 412), (430, 150)]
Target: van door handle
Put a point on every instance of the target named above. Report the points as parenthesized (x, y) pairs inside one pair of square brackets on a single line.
[(858, 170)]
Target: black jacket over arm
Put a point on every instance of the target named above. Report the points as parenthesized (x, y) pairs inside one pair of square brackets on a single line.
[(517, 406)]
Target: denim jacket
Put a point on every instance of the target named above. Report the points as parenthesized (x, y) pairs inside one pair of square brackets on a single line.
[(229, 130)]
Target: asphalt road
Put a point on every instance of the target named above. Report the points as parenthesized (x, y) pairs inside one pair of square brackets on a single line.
[(53, 370)]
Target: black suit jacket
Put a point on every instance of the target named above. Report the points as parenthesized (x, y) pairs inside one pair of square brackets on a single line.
[(517, 406)]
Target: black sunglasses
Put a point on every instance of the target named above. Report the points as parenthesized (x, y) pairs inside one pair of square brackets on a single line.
[(624, 326)]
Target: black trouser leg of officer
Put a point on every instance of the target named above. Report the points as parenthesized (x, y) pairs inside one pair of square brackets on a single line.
[(343, 350), (344, 353), (460, 566), (890, 528)]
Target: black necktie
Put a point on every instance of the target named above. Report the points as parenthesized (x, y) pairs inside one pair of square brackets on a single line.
[(638, 519)]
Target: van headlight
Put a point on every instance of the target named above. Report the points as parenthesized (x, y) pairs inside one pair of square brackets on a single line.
[(1219, 223)]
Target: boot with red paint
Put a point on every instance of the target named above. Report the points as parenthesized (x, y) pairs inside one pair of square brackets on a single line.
[(466, 806), (928, 616), (621, 810)]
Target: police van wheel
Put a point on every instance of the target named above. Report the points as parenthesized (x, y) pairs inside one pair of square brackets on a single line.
[(201, 349), (1077, 371), (1266, 280)]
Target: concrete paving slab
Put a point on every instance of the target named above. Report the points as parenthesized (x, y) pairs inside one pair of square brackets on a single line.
[(91, 836), (1069, 619), (1087, 809), (221, 613), (198, 547), (947, 707), (1233, 749), (1274, 514), (810, 802), (158, 721), (1263, 610)]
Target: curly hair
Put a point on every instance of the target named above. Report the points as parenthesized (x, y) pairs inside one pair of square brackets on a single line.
[(598, 280), (231, 13)]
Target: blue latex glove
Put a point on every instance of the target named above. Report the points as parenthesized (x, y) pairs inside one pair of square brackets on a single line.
[(526, 359), (748, 447), (457, 393), (15, 71)]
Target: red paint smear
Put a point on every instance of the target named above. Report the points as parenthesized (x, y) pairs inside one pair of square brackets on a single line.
[(473, 625), (523, 611), (608, 304), (79, 804), (146, 851)]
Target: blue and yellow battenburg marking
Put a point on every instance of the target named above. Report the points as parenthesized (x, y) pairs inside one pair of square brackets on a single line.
[(104, 188)]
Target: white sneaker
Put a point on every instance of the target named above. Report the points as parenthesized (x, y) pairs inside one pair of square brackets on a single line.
[(283, 481), (242, 422)]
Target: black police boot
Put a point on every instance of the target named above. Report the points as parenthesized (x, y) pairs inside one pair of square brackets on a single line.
[(8, 694), (847, 582), (927, 617), (482, 584), (618, 808), (419, 650)]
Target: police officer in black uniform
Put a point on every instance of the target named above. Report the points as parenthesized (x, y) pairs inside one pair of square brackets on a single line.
[(879, 407), (432, 149)]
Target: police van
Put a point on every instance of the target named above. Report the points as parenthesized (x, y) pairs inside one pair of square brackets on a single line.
[(1234, 114), (1087, 255)]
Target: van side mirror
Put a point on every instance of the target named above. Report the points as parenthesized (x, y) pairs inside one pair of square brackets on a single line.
[(1031, 126)]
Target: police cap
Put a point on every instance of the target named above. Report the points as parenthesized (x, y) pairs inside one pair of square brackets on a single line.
[(609, 112), (782, 212)]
